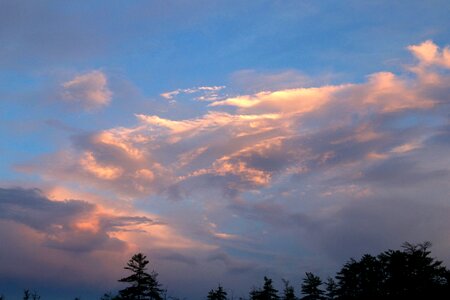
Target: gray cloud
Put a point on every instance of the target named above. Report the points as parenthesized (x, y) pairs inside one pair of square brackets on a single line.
[(375, 224), (233, 266), (59, 220), (401, 172), (178, 257), (30, 207)]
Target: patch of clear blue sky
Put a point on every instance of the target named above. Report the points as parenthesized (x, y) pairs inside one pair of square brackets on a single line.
[(171, 44), (354, 38)]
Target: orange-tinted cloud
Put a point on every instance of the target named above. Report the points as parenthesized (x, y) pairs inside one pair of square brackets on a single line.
[(428, 53)]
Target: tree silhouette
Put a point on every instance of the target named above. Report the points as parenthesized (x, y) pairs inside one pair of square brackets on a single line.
[(26, 294), (361, 280), (331, 289), (413, 273), (217, 294), (288, 291), (395, 274), (35, 296), (410, 273), (311, 287), (268, 292), (143, 286)]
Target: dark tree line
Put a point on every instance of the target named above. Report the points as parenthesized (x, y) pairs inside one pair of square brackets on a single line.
[(268, 292), (217, 294), (394, 274), (410, 273)]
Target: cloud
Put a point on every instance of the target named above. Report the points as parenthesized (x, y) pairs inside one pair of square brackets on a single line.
[(203, 93), (292, 100), (89, 90), (82, 227), (72, 225), (178, 257), (262, 137), (81, 243), (66, 238), (233, 266), (307, 160), (380, 223), (428, 53)]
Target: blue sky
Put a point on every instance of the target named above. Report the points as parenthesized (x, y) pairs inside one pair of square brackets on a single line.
[(225, 139)]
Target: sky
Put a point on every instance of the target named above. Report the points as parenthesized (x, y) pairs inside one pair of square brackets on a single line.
[(225, 140)]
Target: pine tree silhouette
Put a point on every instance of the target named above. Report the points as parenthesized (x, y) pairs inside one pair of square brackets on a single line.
[(35, 296), (143, 286), (395, 274), (288, 292), (217, 294), (311, 287), (26, 294), (331, 289), (268, 292)]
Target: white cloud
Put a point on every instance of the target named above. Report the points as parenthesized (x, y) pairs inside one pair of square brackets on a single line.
[(204, 93)]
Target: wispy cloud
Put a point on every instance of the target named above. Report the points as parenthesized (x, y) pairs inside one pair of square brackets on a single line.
[(202, 93), (253, 81)]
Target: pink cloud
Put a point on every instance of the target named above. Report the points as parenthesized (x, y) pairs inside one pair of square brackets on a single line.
[(428, 53), (89, 90)]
